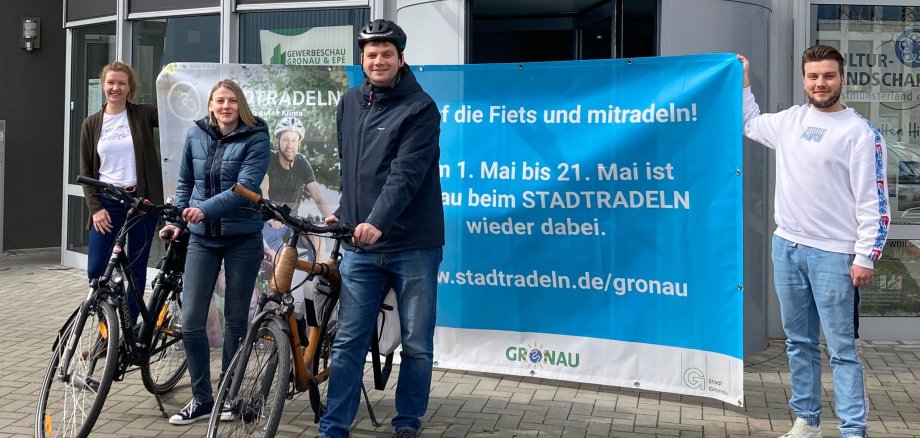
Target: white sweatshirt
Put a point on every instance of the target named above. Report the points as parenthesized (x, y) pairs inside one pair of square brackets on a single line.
[(831, 192)]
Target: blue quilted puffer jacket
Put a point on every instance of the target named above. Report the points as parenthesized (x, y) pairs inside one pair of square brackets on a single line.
[(211, 164)]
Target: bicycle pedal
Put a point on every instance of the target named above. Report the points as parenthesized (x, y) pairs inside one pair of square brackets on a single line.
[(169, 332)]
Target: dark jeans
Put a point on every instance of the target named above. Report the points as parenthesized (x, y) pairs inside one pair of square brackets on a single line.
[(366, 278), (137, 251), (241, 257)]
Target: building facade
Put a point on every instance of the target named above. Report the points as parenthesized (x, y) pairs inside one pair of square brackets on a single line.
[(881, 40)]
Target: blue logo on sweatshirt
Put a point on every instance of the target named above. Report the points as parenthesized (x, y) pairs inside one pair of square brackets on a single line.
[(813, 134)]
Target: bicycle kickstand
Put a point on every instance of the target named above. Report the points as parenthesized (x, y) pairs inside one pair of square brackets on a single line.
[(370, 409), (160, 405)]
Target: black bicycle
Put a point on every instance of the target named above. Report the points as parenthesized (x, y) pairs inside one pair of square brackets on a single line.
[(99, 344)]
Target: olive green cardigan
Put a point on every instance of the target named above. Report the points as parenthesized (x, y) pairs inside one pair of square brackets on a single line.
[(142, 119)]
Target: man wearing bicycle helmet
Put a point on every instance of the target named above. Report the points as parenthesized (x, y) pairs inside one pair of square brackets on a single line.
[(289, 175), (388, 133)]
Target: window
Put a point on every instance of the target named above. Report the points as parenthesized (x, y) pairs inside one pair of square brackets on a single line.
[(160, 42), (517, 32), (894, 289), (878, 45)]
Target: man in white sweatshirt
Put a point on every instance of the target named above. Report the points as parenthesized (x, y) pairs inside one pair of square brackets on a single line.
[(832, 222)]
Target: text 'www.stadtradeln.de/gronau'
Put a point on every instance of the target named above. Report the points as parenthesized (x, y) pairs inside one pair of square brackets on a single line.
[(551, 279)]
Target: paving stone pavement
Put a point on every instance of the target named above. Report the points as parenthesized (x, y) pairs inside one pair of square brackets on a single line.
[(38, 294)]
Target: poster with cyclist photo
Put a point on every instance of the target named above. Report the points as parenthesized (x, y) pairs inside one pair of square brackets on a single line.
[(298, 105)]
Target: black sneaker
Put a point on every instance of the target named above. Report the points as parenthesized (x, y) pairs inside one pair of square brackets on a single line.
[(406, 432), (193, 412), (227, 412)]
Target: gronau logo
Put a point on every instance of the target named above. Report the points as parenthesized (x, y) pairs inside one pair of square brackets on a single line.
[(538, 356), (907, 48), (694, 378)]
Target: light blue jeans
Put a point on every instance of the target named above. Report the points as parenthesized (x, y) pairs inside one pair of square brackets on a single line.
[(241, 257), (816, 292), (366, 278)]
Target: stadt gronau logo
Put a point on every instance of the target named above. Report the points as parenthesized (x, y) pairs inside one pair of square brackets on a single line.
[(537, 356), (694, 378)]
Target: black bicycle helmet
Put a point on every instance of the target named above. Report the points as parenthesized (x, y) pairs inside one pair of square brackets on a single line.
[(382, 30)]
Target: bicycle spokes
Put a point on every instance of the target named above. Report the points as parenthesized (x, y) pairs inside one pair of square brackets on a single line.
[(79, 375), (253, 391)]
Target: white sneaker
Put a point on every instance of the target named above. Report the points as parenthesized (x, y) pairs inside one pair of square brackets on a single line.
[(801, 429), (193, 412)]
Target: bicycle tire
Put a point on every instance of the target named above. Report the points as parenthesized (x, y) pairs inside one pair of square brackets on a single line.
[(263, 378), (61, 410), (322, 361), (166, 361)]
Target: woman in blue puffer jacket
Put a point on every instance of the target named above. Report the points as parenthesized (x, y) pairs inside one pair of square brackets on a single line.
[(230, 146)]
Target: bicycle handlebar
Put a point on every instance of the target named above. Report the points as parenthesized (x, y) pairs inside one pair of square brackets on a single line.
[(168, 211), (283, 214), (241, 190), (93, 182)]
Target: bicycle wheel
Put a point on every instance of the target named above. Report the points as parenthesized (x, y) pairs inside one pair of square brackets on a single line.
[(166, 355), (322, 360), (71, 399), (254, 387)]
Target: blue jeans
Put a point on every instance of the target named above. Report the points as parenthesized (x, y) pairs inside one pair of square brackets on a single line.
[(138, 249), (241, 257), (816, 292), (366, 278)]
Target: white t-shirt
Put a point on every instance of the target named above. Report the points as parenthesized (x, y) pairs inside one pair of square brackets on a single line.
[(831, 190), (116, 151)]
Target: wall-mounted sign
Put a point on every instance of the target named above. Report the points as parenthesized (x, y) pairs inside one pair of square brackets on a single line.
[(332, 45)]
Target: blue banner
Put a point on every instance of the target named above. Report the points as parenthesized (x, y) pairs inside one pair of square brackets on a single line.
[(593, 199)]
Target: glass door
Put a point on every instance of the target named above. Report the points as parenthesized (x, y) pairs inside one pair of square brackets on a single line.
[(880, 42), (93, 47), (502, 31)]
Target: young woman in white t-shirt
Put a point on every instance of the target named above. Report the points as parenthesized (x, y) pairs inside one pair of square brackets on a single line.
[(117, 146)]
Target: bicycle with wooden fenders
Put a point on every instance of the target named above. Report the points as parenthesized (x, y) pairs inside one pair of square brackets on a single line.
[(276, 360), (99, 343)]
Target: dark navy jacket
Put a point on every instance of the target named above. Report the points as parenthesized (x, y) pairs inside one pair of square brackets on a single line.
[(389, 150), (211, 164)]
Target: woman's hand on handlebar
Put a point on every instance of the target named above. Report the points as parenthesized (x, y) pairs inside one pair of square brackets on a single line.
[(102, 222), (170, 232), (331, 219), (193, 215), (275, 224)]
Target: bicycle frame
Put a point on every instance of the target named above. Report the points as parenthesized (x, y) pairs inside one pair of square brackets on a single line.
[(330, 270), (100, 289), (168, 279), (284, 316)]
